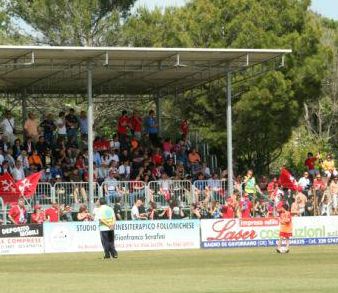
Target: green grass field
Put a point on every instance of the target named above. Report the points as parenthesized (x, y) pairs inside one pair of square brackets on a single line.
[(305, 269)]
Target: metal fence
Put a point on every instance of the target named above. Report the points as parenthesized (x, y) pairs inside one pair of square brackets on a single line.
[(43, 196), (164, 192), (74, 193), (209, 190), (124, 192), (2, 211)]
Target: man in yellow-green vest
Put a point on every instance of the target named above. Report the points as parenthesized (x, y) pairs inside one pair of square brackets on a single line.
[(107, 221), (251, 188)]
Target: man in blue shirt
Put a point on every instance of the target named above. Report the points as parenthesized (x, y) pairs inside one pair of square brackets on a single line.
[(152, 128)]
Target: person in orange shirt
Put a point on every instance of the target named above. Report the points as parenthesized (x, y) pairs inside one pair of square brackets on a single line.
[(35, 160), (285, 231), (31, 128)]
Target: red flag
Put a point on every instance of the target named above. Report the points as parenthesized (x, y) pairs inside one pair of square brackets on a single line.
[(8, 190), (287, 180), (27, 186)]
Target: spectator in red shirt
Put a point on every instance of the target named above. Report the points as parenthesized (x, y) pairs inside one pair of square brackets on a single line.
[(38, 217), (80, 165), (157, 158), (184, 127), (310, 163), (167, 148), (228, 209), (272, 187), (18, 214), (245, 206), (122, 128), (136, 125), (52, 213)]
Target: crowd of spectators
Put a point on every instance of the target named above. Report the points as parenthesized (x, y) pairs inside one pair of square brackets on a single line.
[(136, 153), (315, 194)]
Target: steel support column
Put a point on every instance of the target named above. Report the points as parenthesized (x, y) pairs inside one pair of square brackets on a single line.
[(229, 137), (23, 110), (90, 137)]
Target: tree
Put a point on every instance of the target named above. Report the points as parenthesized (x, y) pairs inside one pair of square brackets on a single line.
[(321, 115), (72, 23), (8, 33)]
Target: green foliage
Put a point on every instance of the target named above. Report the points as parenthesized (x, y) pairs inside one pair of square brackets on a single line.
[(8, 34), (295, 151), (76, 23), (264, 117)]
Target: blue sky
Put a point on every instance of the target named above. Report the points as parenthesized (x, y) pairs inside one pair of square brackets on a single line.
[(328, 8)]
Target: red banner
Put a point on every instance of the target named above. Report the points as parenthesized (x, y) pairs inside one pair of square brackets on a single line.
[(287, 180), (27, 186), (8, 189)]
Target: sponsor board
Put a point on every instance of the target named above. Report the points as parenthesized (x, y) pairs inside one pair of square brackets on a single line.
[(264, 232), (155, 235), (129, 235), (72, 237), (21, 239)]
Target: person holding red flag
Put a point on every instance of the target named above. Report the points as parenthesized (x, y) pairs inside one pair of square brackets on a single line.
[(18, 214), (286, 180)]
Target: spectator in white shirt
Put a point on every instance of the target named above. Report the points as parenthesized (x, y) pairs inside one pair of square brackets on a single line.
[(124, 170), (305, 183), (18, 172), (61, 125), (135, 214), (2, 157), (8, 125)]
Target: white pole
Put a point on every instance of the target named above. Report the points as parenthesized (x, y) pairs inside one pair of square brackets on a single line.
[(229, 137), (90, 137)]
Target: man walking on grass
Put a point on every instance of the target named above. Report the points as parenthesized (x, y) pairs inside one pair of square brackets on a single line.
[(107, 221)]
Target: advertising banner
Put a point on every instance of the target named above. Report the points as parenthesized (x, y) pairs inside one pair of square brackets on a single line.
[(265, 231), (129, 235), (72, 237), (155, 235), (21, 239)]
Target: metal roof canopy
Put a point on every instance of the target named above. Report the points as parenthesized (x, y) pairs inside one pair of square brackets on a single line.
[(32, 70), (118, 70)]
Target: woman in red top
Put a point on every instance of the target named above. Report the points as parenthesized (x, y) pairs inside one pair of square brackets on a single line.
[(38, 217)]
